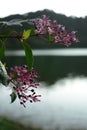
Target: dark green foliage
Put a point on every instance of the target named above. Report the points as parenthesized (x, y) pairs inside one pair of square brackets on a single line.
[(9, 125), (6, 124)]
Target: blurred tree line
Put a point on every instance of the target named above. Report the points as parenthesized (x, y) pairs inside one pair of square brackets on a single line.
[(71, 23)]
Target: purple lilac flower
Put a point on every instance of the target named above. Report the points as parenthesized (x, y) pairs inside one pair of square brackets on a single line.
[(46, 26), (24, 83)]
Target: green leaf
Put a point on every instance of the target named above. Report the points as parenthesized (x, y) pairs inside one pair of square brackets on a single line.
[(26, 34), (28, 54), (51, 38), (2, 51), (32, 31), (13, 97)]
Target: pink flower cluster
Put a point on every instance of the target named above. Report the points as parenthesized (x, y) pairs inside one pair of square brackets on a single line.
[(57, 31), (24, 83)]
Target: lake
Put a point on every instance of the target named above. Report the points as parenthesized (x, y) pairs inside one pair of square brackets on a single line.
[(63, 77), (53, 64), (63, 106), (51, 52)]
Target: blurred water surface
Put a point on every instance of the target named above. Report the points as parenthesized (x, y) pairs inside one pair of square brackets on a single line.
[(63, 77), (53, 64), (51, 52), (63, 105)]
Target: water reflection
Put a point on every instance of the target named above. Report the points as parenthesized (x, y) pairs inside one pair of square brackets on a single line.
[(62, 106), (50, 52)]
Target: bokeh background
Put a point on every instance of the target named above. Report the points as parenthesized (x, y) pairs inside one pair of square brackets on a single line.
[(62, 71)]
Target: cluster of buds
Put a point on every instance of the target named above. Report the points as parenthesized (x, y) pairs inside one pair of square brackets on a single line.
[(57, 31), (24, 83)]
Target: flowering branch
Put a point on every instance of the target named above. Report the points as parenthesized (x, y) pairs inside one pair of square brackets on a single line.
[(56, 32), (23, 79), (24, 83)]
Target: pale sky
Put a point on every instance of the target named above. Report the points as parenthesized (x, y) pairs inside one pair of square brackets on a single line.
[(68, 7)]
